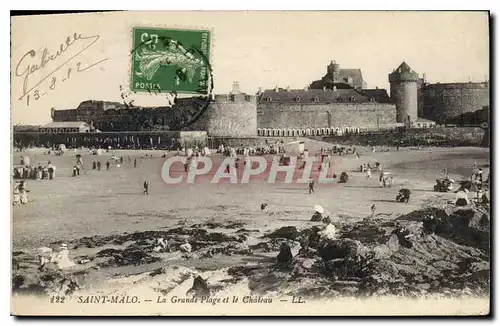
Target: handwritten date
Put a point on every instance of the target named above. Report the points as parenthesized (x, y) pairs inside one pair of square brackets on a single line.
[(32, 63)]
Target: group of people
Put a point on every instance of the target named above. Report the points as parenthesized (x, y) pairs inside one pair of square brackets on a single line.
[(27, 171)]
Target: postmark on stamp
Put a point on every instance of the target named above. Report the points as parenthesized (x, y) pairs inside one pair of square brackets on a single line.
[(170, 60)]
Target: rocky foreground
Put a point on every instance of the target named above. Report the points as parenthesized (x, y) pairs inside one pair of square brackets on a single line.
[(370, 257)]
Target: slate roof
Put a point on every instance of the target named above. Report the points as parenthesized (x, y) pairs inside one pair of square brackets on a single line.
[(379, 94), (357, 77)]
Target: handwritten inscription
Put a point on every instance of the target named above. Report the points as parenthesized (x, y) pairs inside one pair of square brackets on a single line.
[(33, 63)]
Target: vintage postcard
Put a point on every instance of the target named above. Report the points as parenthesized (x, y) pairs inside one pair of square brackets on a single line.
[(272, 163)]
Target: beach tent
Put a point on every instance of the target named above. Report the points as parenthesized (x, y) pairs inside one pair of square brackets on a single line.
[(294, 148), (26, 160), (470, 186)]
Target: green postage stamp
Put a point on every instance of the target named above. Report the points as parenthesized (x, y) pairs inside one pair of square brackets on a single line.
[(170, 60)]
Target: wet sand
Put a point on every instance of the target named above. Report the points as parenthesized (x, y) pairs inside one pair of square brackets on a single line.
[(111, 202)]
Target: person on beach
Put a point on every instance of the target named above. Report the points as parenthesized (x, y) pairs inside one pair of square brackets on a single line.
[(98, 165), (146, 187), (311, 186), (368, 173), (135, 162), (107, 165)]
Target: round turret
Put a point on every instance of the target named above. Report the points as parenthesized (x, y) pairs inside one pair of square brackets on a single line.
[(404, 92), (333, 70)]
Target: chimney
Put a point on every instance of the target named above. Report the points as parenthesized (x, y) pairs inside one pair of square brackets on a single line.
[(236, 88), (288, 88), (276, 89), (424, 77)]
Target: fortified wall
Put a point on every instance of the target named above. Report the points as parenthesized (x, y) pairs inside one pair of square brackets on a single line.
[(446, 101), (339, 116), (292, 112), (232, 115)]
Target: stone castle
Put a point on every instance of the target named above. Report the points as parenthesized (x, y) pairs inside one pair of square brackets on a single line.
[(338, 102)]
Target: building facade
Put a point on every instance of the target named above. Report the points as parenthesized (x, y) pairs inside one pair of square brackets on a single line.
[(336, 75), (67, 126)]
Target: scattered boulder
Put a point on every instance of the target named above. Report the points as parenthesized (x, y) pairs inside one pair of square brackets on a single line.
[(340, 249), (186, 247), (287, 232), (285, 256), (393, 243), (199, 288)]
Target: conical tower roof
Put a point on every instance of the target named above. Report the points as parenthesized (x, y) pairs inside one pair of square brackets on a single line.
[(403, 73), (403, 67)]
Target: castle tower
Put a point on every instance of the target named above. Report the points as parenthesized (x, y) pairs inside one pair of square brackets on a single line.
[(403, 82), (333, 70)]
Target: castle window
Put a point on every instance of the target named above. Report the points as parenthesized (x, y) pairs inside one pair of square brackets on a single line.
[(316, 99), (297, 99), (269, 99)]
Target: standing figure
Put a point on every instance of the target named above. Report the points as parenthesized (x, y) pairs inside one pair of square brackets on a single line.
[(107, 165), (146, 187), (311, 186), (135, 162), (98, 165)]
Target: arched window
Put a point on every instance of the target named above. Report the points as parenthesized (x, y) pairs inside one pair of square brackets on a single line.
[(297, 99), (316, 99), (269, 99)]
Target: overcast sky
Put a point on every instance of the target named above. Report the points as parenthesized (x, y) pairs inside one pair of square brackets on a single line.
[(258, 49)]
